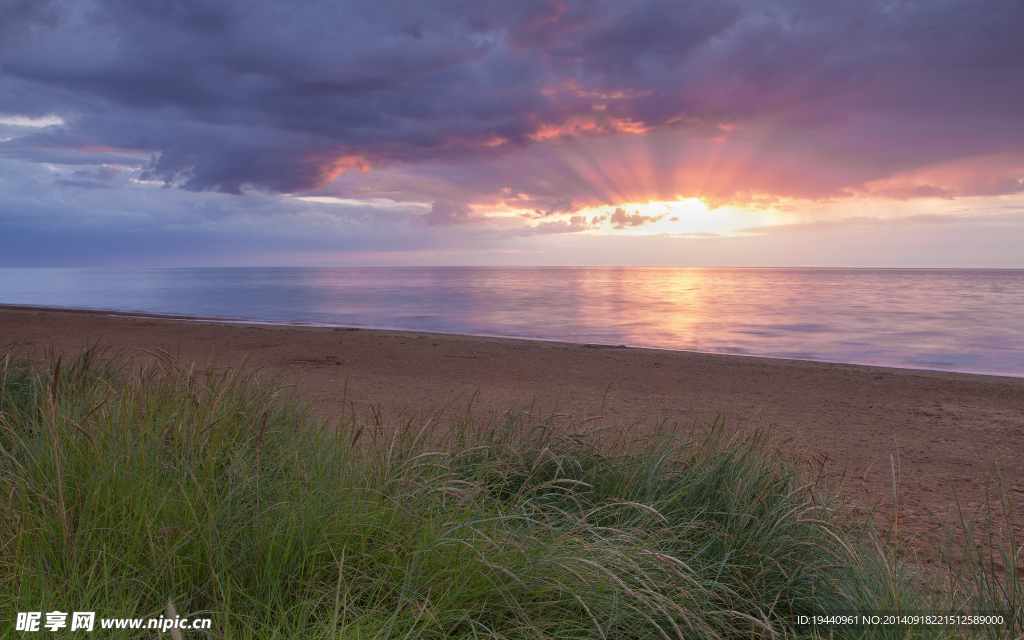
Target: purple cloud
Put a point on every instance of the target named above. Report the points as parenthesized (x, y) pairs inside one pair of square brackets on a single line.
[(446, 213), (232, 95)]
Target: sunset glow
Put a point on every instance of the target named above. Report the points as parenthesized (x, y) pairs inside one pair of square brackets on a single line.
[(708, 132)]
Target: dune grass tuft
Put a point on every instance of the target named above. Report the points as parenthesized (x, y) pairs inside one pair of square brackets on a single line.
[(123, 488)]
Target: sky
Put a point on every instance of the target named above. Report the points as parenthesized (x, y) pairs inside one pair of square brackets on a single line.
[(526, 132)]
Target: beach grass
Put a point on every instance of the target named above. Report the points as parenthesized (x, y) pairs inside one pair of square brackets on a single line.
[(125, 487)]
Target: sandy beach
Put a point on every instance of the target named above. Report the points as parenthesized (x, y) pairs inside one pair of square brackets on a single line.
[(942, 427)]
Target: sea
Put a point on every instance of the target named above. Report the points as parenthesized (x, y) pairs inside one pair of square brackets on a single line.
[(962, 320)]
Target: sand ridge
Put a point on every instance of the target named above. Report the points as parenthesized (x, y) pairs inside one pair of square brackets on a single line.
[(940, 426)]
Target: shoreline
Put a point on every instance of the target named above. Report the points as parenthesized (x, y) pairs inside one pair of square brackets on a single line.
[(941, 426), (269, 323)]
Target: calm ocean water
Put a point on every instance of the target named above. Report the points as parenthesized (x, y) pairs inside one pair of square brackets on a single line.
[(953, 320)]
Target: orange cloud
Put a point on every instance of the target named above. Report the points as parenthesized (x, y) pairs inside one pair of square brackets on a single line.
[(340, 165), (628, 125), (576, 126), (572, 87)]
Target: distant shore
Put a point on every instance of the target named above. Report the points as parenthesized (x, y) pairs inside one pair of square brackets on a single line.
[(936, 427)]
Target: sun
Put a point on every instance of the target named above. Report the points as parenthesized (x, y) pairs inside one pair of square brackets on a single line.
[(684, 217)]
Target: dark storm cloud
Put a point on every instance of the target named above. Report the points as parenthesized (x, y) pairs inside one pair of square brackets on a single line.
[(285, 96), (21, 18)]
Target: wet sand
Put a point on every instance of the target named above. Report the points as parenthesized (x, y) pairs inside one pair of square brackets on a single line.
[(942, 427)]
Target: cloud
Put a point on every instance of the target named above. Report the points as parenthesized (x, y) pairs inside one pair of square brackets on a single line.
[(447, 213), (104, 172), (919, 191), (141, 223), (25, 121), (146, 224), (436, 125), (621, 219), (575, 224), (231, 95), (23, 19), (924, 223), (82, 184), (992, 175)]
